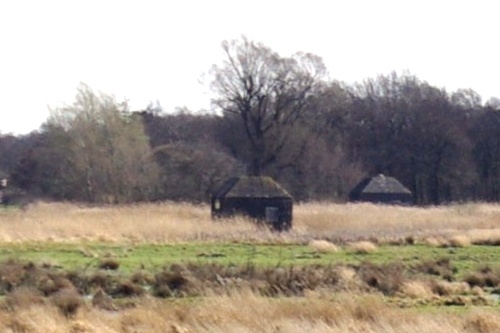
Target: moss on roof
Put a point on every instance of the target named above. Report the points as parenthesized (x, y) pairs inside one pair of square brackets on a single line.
[(252, 187)]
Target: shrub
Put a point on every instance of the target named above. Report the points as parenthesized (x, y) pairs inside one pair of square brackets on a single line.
[(474, 279), (109, 264), (446, 288), (386, 278), (79, 281), (440, 267), (23, 297), (11, 275), (168, 284), (68, 301), (52, 283), (102, 300), (142, 278), (409, 240), (102, 280), (484, 277), (294, 281), (127, 289)]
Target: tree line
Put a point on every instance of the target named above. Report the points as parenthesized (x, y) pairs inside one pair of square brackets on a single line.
[(273, 115)]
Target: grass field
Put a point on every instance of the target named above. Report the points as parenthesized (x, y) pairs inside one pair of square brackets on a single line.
[(154, 257), (169, 268), (170, 223)]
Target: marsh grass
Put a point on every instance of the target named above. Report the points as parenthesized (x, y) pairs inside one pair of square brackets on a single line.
[(21, 280), (181, 222), (247, 312), (233, 267)]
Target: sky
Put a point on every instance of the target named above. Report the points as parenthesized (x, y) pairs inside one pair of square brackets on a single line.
[(162, 51)]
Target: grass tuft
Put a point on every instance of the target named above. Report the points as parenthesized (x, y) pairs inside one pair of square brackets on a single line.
[(482, 323), (68, 301), (169, 284), (441, 267), (323, 246), (416, 290), (363, 247), (460, 241), (24, 297), (386, 278), (109, 264)]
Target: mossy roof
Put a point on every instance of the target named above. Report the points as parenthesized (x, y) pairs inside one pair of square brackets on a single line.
[(252, 187)]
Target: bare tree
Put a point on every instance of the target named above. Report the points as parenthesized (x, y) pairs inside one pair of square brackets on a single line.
[(407, 128), (485, 133), (266, 93)]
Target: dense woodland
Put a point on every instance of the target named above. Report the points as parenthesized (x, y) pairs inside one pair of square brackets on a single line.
[(272, 115)]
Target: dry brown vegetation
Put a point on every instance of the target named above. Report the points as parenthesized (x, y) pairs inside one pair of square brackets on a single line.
[(323, 246), (477, 223), (211, 298), (23, 282), (247, 312), (363, 247)]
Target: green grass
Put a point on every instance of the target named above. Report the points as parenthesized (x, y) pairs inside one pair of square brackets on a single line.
[(154, 257)]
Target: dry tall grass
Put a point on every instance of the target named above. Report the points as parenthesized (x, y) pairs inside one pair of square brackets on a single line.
[(246, 312), (323, 246), (363, 247), (347, 310), (175, 222)]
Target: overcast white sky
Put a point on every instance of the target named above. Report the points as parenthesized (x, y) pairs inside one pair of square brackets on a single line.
[(149, 50)]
